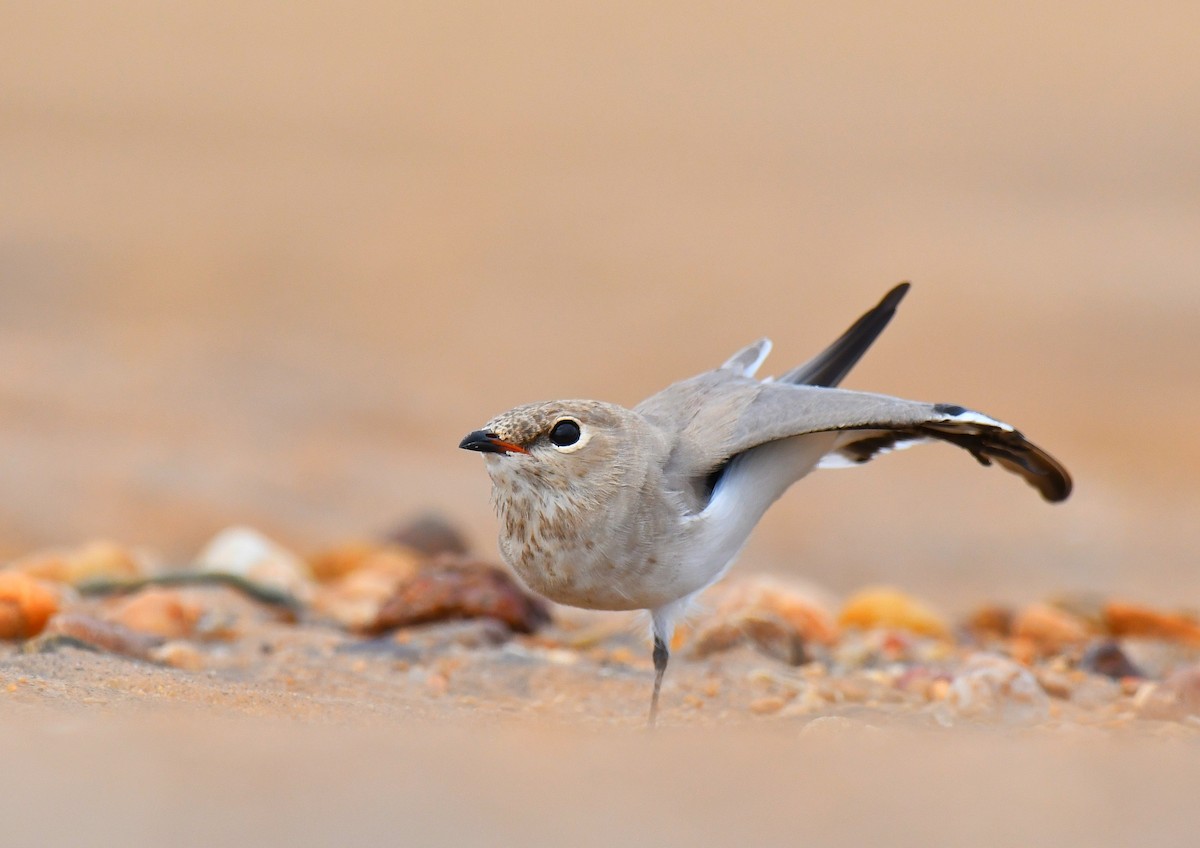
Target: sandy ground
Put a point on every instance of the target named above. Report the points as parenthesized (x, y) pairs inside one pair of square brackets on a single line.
[(266, 265)]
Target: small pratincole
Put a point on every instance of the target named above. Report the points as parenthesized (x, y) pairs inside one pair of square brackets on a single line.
[(610, 508)]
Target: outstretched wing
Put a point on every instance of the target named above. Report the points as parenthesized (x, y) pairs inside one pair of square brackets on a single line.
[(720, 414)]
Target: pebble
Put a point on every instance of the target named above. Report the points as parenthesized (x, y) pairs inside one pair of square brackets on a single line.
[(97, 560), (181, 655), (780, 619), (244, 552), (338, 563), (1123, 619), (26, 604), (159, 612), (803, 609), (770, 635), (460, 588), (1158, 702), (1095, 692), (996, 689), (1056, 684), (1049, 629), (939, 690), (1106, 658), (768, 705), (1184, 685), (990, 622), (358, 580), (885, 607), (918, 680), (430, 535), (1155, 658)]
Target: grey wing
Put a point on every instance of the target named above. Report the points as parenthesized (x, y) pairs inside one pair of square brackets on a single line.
[(718, 415)]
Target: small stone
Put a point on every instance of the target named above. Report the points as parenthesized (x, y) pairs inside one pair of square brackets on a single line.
[(1184, 684), (1106, 658), (914, 679), (460, 588), (990, 623), (715, 638), (996, 689), (1123, 620), (773, 637), (98, 560), (780, 619), (337, 563), (430, 535), (1056, 684), (1049, 629), (853, 690), (1086, 606), (768, 705), (1155, 658), (248, 554), (1094, 692), (160, 612), (181, 655), (885, 607), (359, 580), (1159, 703), (26, 604)]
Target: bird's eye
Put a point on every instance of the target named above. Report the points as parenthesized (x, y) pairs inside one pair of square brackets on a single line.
[(565, 432)]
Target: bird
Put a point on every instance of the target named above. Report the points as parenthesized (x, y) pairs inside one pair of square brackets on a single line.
[(609, 508)]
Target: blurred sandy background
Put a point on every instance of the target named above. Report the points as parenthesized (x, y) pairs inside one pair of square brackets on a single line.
[(267, 263)]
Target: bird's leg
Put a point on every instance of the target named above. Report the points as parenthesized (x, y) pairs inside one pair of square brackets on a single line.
[(661, 655)]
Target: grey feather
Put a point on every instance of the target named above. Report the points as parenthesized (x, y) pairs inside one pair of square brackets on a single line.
[(747, 360)]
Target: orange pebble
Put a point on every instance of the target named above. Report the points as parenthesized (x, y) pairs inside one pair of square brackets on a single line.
[(886, 607), (1123, 619), (26, 604), (1049, 629), (162, 612)]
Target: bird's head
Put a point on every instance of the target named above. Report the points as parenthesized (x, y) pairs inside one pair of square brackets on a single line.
[(564, 446)]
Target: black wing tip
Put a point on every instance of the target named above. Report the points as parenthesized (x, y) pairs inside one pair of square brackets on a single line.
[(1042, 471), (1007, 447), (829, 366), (892, 299), (1057, 485)]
